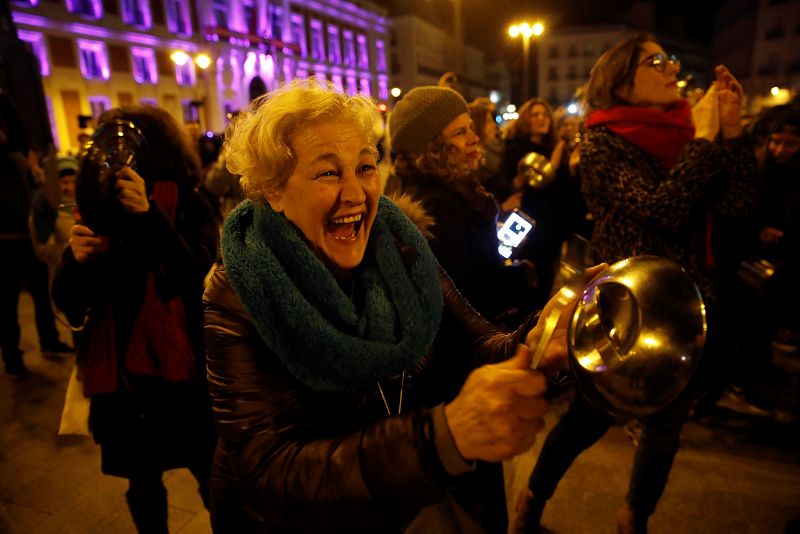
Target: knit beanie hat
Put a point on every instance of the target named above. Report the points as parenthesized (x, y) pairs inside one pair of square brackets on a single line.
[(421, 115), (67, 165)]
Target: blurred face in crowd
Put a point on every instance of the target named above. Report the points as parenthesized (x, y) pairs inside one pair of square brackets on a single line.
[(489, 127), (656, 81), (783, 145), (540, 121), (462, 137), (569, 127), (66, 185), (332, 195)]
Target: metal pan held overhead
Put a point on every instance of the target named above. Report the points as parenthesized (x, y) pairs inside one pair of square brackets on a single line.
[(113, 145)]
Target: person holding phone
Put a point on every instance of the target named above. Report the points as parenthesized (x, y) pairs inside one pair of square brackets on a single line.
[(654, 173), (437, 155)]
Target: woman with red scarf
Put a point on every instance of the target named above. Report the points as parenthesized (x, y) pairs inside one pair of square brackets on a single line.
[(138, 294), (654, 173)]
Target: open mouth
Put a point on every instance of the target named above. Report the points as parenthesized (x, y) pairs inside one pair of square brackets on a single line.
[(345, 228)]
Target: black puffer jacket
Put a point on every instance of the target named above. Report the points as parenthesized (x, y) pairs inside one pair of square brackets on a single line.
[(293, 460)]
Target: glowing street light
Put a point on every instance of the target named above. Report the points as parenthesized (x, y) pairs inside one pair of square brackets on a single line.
[(775, 91), (179, 57), (526, 31), (202, 61), (395, 92)]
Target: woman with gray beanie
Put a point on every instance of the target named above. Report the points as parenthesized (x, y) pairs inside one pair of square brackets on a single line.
[(437, 154)]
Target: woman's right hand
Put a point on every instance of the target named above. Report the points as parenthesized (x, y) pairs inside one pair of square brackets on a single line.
[(84, 243), (705, 115), (499, 410)]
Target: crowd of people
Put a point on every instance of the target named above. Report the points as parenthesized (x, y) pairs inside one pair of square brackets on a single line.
[(329, 349)]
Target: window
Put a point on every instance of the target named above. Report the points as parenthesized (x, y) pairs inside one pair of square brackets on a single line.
[(317, 41), (588, 50), (136, 13), (275, 14), (250, 16), (26, 3), (572, 52), (99, 104), (185, 74), (36, 41), (178, 20), (365, 88), (351, 85), (299, 33), (144, 65), (320, 76), (363, 53), (148, 101), (572, 73), (219, 8), (191, 110), (349, 49), (336, 79), (383, 88), (380, 56), (301, 72), (93, 59), (334, 46), (86, 8), (553, 52), (552, 73)]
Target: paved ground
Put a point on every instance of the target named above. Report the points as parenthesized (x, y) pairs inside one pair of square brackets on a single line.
[(739, 475)]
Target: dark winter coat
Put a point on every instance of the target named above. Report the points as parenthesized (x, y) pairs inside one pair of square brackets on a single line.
[(464, 241), (641, 208), (148, 424), (293, 460)]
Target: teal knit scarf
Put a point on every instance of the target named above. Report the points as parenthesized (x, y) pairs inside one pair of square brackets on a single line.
[(307, 320)]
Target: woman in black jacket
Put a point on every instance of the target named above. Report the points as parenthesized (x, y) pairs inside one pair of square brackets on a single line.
[(338, 350), (437, 156), (653, 172), (137, 291)]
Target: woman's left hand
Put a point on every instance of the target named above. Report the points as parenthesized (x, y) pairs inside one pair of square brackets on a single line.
[(131, 191), (730, 96)]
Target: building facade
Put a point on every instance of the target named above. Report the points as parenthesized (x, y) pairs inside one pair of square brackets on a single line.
[(201, 60), (422, 52), (565, 57)]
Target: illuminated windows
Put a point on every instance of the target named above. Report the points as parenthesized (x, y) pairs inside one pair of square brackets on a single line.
[(144, 65), (93, 59), (178, 19), (36, 42), (136, 13)]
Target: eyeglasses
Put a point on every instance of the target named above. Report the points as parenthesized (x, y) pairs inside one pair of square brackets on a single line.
[(659, 62)]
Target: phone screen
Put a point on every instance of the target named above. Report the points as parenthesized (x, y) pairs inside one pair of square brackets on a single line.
[(513, 231)]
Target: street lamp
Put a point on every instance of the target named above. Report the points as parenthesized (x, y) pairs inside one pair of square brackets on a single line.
[(526, 31)]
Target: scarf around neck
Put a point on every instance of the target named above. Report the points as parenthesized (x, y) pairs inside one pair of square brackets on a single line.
[(662, 134), (326, 341)]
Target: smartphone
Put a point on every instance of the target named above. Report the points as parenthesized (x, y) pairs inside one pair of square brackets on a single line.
[(513, 231)]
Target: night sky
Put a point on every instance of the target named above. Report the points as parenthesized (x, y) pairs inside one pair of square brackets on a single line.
[(486, 21)]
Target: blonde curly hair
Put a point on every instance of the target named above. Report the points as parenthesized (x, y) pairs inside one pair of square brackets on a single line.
[(258, 142)]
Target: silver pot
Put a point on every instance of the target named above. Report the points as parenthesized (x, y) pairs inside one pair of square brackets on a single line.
[(536, 170), (636, 336)]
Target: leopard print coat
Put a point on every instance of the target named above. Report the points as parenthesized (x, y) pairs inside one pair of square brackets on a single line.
[(641, 208)]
